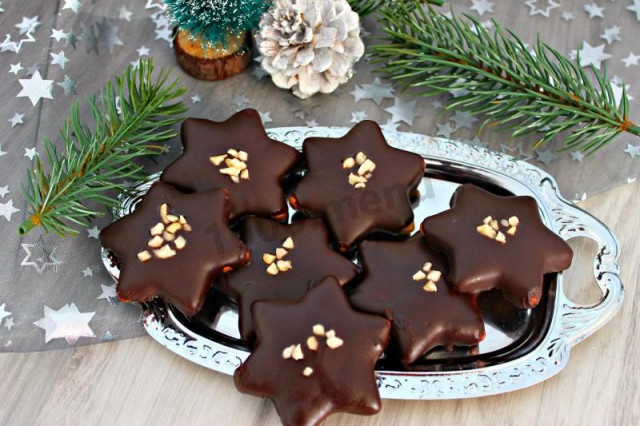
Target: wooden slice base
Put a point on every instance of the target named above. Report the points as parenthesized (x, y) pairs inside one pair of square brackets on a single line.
[(214, 64)]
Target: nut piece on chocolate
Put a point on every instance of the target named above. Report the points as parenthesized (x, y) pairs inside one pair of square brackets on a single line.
[(286, 260), (238, 156), (359, 184), (172, 246), (496, 242), (405, 281), (315, 357)]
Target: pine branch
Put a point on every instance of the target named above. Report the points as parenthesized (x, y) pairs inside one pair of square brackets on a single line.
[(96, 160), (366, 7), (525, 92)]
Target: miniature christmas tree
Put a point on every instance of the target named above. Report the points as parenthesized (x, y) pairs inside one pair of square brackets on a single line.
[(212, 40)]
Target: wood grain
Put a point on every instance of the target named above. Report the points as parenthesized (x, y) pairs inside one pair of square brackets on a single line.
[(137, 382)]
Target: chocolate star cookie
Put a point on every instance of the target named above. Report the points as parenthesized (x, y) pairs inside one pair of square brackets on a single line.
[(405, 281), (286, 261), (496, 242), (238, 156), (172, 246), (315, 357), (359, 184)]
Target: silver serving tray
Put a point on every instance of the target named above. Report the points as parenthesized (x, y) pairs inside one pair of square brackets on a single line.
[(448, 162)]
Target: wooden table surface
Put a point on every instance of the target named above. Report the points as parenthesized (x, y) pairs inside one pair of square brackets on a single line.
[(137, 382)]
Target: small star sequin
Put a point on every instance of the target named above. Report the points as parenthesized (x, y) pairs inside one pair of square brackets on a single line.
[(66, 323), (108, 293), (635, 7), (143, 51), (543, 8), (358, 116), (93, 232), (594, 10), (57, 35), (633, 150), (7, 210), (196, 99), (482, 6), (36, 88), (590, 55), (4, 190), (28, 25), (73, 5), (404, 111), (59, 59), (577, 156), (444, 129), (16, 119), (15, 68), (567, 16), (611, 34), (631, 60), (376, 91), (124, 13), (68, 85), (30, 153), (545, 156)]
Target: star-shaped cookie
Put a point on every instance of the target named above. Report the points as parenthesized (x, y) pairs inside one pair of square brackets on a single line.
[(315, 357), (359, 184), (405, 281), (496, 242), (286, 261), (173, 246), (238, 156)]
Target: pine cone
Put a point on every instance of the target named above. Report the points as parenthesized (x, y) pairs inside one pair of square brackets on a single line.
[(310, 45)]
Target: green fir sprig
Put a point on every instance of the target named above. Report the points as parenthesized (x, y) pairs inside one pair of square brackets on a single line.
[(525, 91), (96, 159), (366, 7)]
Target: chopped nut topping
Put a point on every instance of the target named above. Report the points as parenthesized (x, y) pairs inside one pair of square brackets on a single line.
[(334, 342), (268, 258), (230, 171), (318, 330), (288, 351), (312, 343), (243, 156), (348, 163), (366, 167), (218, 159), (307, 371), (284, 265), (360, 185), (156, 242), (427, 267), (512, 230), (297, 353), (168, 236), (501, 238), (143, 256), (164, 252), (419, 276), (487, 220), (361, 157), (487, 231), (236, 164), (288, 243), (494, 225), (157, 229), (434, 276), (186, 227), (504, 222), (354, 179), (174, 227), (514, 221), (272, 269), (235, 179), (232, 152), (164, 210), (430, 287), (280, 252), (244, 174), (172, 218), (182, 220), (180, 242), (330, 333)]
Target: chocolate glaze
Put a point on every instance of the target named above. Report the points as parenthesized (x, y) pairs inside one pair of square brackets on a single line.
[(268, 164), (183, 279), (312, 259), (343, 379), (478, 263), (352, 214), (420, 320)]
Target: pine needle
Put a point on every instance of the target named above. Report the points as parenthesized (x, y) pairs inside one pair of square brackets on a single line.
[(131, 120), (525, 91)]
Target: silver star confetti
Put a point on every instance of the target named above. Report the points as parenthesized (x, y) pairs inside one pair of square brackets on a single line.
[(16, 119), (544, 7), (482, 6), (143, 51), (577, 156), (93, 232), (633, 150), (4, 190), (124, 13), (15, 68), (568, 16), (404, 111), (631, 60), (109, 35), (545, 156), (590, 55), (3, 313), (594, 10), (196, 99), (7, 210), (43, 256), (8, 324), (611, 34), (375, 91), (444, 130), (108, 293), (57, 35), (28, 25), (30, 153), (36, 88), (68, 85), (59, 59), (88, 272), (358, 116), (73, 5), (66, 323), (463, 119), (635, 7), (265, 117)]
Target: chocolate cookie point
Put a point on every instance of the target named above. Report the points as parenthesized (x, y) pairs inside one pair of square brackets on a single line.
[(172, 246), (235, 155), (405, 282), (516, 248), (359, 184), (315, 357)]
